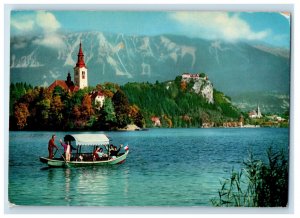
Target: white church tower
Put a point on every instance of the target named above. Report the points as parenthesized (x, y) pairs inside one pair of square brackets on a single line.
[(258, 112), (80, 71)]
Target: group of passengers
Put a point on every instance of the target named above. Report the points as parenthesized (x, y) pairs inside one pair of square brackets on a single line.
[(113, 152)]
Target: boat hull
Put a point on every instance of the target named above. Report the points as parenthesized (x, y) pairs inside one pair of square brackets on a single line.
[(62, 163)]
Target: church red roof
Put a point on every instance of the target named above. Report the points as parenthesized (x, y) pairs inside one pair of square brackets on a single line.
[(60, 83), (63, 85), (74, 88), (80, 60)]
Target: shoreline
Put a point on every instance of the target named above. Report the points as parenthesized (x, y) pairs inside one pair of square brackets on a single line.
[(147, 129)]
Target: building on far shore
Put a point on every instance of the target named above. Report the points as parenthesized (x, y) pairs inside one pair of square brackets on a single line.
[(255, 113), (80, 76), (195, 77), (155, 121)]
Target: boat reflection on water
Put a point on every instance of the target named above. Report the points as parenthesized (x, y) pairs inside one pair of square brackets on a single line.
[(67, 185), (89, 186)]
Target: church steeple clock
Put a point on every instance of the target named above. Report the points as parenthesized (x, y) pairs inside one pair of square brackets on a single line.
[(80, 70)]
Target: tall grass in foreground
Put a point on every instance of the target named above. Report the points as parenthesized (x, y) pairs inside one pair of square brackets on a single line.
[(258, 184)]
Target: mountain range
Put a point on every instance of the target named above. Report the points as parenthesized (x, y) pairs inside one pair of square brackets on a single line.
[(233, 67)]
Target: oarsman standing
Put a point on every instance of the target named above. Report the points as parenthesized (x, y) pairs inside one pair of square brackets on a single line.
[(51, 145)]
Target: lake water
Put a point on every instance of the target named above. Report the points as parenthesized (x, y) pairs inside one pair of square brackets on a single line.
[(165, 167)]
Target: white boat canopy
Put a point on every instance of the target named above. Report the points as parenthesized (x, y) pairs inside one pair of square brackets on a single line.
[(88, 139)]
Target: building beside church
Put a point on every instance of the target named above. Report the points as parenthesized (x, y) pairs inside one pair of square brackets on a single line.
[(99, 98), (80, 76)]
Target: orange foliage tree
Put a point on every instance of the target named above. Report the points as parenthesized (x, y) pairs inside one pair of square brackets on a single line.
[(183, 85), (86, 107), (21, 113), (168, 121)]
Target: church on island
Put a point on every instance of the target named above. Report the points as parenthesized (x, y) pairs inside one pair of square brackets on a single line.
[(80, 80), (80, 76)]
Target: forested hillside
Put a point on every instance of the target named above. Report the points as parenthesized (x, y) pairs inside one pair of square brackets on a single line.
[(174, 103), (177, 105)]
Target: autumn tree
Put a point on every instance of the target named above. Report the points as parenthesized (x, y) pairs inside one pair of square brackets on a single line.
[(30, 97), (133, 110), (107, 93), (136, 116), (16, 92), (111, 86), (75, 117), (183, 85), (44, 93), (168, 121), (76, 114), (87, 108), (21, 113), (99, 87), (56, 112)]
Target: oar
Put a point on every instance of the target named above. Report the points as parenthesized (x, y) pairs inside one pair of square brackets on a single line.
[(55, 152), (63, 157)]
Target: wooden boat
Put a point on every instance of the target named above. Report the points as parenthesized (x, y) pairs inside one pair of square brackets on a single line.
[(87, 142)]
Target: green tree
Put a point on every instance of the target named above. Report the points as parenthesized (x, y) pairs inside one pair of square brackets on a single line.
[(107, 118), (121, 106), (42, 113), (109, 111), (202, 75)]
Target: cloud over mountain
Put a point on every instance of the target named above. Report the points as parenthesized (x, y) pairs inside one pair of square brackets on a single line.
[(44, 24), (218, 25)]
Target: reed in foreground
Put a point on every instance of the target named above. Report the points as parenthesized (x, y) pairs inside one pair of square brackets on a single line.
[(258, 184)]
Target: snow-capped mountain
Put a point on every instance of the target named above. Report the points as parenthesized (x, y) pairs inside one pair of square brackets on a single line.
[(232, 67)]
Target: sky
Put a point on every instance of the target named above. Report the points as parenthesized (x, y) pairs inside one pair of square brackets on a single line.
[(269, 27)]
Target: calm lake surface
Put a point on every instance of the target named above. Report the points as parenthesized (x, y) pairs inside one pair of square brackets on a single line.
[(165, 167)]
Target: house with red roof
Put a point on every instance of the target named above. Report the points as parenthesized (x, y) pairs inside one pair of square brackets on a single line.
[(155, 121), (98, 97)]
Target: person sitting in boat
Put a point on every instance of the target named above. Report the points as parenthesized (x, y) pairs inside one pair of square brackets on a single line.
[(111, 148), (115, 151), (98, 153), (51, 145)]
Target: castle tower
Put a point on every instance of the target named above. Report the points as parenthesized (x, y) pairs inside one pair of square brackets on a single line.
[(80, 71)]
